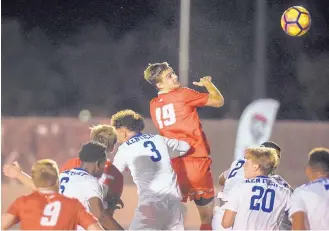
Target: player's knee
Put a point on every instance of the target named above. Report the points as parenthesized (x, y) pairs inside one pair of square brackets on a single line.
[(204, 201)]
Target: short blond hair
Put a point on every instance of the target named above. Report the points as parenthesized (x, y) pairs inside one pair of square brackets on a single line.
[(45, 173), (152, 73), (266, 158), (104, 134)]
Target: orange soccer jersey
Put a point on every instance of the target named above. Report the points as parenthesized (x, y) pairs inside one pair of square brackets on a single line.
[(175, 115), (50, 211)]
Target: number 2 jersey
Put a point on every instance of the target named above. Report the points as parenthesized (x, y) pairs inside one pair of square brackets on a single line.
[(147, 156), (175, 116), (46, 210), (312, 199), (260, 204)]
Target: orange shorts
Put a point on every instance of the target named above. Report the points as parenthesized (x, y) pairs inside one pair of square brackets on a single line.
[(194, 177)]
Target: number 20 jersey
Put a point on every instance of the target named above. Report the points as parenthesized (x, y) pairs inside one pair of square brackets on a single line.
[(175, 116), (260, 204)]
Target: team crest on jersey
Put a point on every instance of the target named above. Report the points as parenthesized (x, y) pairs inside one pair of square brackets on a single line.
[(257, 127)]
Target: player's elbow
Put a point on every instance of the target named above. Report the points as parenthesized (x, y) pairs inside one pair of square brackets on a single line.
[(215, 101)]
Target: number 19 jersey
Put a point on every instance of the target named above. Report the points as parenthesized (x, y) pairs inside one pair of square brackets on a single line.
[(260, 204), (175, 116)]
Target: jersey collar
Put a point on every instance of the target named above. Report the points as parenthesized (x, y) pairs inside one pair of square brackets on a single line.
[(81, 169), (261, 176)]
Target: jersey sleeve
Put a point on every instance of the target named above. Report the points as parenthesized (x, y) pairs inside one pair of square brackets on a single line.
[(84, 218), (296, 203), (14, 209), (119, 161), (194, 98), (92, 189), (233, 199), (176, 147)]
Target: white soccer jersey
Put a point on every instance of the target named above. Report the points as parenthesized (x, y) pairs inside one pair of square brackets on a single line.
[(312, 199), (148, 158), (79, 184), (234, 177), (159, 200), (259, 203)]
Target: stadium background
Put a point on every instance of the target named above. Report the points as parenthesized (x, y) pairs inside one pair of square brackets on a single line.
[(60, 57)]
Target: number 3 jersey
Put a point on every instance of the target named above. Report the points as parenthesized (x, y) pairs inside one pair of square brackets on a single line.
[(175, 116), (260, 204), (147, 156)]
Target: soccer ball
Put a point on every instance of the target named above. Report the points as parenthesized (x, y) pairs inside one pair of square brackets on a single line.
[(296, 21)]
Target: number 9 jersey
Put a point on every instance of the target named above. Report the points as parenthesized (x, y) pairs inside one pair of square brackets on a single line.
[(175, 116)]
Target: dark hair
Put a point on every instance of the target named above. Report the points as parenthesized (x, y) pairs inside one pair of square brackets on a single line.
[(128, 119), (153, 72), (270, 144), (319, 159), (92, 152)]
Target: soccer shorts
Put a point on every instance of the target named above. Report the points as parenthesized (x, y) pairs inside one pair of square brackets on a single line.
[(164, 215), (194, 177)]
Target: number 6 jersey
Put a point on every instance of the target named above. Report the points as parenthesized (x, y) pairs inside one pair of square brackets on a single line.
[(260, 204), (175, 116), (147, 156)]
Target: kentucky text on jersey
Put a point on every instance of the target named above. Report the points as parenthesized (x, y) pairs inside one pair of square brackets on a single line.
[(139, 137), (267, 181), (69, 172)]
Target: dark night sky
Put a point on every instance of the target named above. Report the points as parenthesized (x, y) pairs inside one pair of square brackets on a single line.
[(61, 20)]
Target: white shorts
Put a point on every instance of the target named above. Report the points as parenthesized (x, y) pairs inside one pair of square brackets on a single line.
[(217, 219), (165, 215)]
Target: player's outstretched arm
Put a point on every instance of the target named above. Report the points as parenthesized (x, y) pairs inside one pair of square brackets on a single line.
[(177, 147), (8, 220), (14, 171), (215, 99)]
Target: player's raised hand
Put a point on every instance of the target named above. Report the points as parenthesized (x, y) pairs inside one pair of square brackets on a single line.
[(203, 81), (12, 170)]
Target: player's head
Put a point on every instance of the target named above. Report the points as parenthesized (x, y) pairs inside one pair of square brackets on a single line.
[(93, 157), (276, 147), (259, 161), (45, 174), (104, 134), (127, 123), (318, 164), (161, 76)]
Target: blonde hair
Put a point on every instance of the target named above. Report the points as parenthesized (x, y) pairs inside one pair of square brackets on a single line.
[(266, 158), (152, 73), (45, 173), (317, 150), (104, 134)]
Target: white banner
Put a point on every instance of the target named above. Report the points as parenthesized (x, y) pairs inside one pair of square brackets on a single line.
[(255, 125)]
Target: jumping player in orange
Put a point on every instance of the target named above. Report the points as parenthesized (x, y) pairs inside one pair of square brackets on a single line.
[(45, 208), (174, 113)]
